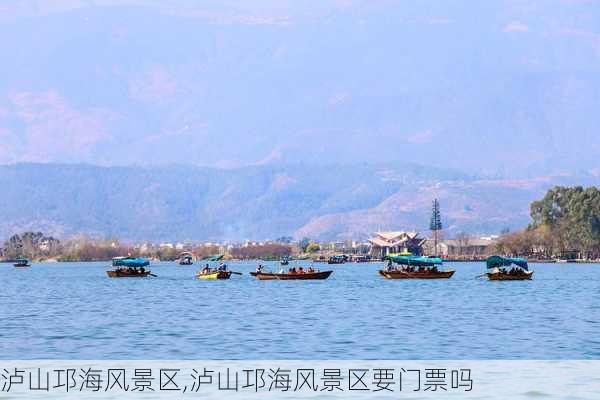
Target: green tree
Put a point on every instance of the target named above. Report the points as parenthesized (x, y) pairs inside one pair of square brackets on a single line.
[(572, 214), (313, 248), (303, 244), (435, 224)]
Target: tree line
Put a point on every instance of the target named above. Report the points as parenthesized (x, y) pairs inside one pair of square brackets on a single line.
[(565, 224), (37, 246)]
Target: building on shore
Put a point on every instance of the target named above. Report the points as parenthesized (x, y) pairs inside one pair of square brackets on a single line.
[(385, 243), (471, 248)]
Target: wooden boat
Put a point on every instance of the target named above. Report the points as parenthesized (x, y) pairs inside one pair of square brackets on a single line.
[(214, 275), (507, 277), (126, 274), (427, 274), (267, 276), (186, 259), (336, 260), (497, 266), (22, 263), (415, 267), (129, 267)]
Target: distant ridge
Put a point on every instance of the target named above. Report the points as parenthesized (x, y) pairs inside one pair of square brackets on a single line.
[(180, 203)]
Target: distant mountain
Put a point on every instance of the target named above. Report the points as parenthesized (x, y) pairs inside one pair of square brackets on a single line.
[(508, 87), (193, 203)]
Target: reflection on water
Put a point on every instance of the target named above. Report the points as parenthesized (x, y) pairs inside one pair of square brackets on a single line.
[(73, 311)]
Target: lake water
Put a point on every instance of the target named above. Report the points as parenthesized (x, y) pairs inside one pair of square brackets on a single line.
[(73, 311)]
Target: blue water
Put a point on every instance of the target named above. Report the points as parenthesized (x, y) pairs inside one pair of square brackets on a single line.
[(73, 311)]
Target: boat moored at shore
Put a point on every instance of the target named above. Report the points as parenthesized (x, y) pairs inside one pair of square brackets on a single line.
[(337, 260), (21, 263)]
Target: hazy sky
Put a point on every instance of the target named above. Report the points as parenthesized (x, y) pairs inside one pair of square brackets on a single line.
[(508, 86)]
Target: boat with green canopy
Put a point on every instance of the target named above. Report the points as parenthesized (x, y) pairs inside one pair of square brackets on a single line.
[(129, 267), (497, 266), (215, 258), (414, 267)]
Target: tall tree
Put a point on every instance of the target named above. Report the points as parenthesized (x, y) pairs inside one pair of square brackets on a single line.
[(572, 216), (435, 225)]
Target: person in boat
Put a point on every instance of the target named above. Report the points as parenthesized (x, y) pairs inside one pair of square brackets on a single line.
[(389, 267), (311, 270), (142, 270), (434, 269), (301, 270), (259, 269), (222, 267)]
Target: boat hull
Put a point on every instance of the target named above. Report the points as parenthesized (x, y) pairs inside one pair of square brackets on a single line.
[(416, 275), (213, 276), (263, 276), (506, 277), (117, 274), (21, 265)]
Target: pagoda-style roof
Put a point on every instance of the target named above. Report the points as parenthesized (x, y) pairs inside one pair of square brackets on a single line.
[(393, 239)]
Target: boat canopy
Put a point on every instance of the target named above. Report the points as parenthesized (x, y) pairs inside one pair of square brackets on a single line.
[(415, 260), (214, 258), (498, 261), (130, 262)]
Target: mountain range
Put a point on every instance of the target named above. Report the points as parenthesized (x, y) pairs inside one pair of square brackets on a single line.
[(179, 203)]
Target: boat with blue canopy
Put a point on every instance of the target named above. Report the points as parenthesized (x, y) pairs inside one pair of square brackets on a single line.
[(498, 269), (129, 267), (414, 267)]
